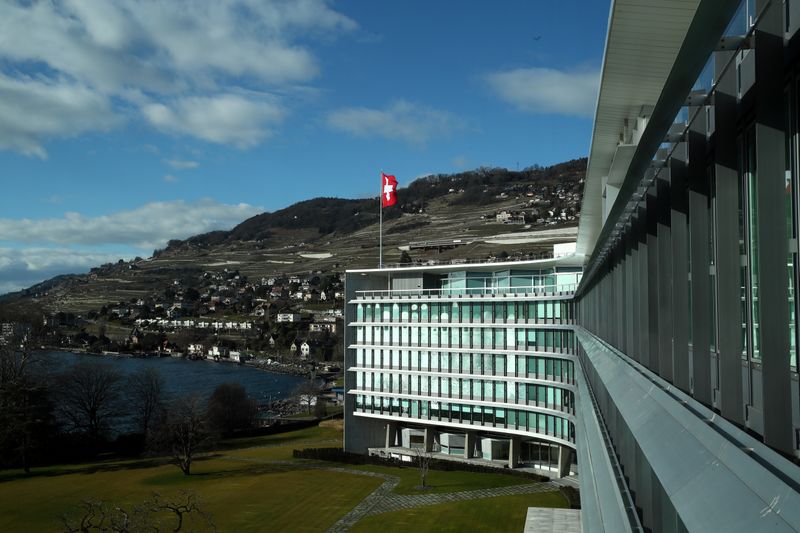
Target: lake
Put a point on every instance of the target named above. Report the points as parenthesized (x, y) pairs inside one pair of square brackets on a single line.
[(182, 376)]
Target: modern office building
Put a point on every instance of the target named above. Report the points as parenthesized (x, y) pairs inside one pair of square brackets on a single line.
[(471, 361), (686, 412)]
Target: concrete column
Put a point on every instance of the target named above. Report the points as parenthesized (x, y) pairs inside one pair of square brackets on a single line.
[(428, 439), (564, 460), (513, 452), (469, 445), (391, 434)]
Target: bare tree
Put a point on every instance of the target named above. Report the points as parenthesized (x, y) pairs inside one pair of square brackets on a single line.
[(146, 397), (26, 413), (88, 397), (184, 432), (154, 515), (307, 393), (423, 463)]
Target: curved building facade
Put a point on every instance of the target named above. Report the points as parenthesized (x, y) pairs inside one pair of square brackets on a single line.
[(476, 362)]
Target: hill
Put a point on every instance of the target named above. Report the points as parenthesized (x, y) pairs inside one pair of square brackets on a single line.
[(490, 211)]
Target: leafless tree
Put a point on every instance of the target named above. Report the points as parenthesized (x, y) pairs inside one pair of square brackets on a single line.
[(423, 463), (307, 392), (185, 431), (26, 421), (146, 397), (14, 362), (154, 515), (88, 397)]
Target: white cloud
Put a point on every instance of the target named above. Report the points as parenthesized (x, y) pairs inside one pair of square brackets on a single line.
[(170, 178), (21, 268), (545, 90), (34, 110), (147, 227), (182, 163), (86, 54), (401, 120), (242, 121)]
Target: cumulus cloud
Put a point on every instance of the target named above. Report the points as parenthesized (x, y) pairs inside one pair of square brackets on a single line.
[(239, 120), (34, 110), (546, 90), (92, 59), (182, 163), (22, 268), (401, 120), (147, 227)]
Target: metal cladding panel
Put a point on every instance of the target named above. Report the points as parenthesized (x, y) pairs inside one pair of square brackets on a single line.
[(717, 477), (644, 37), (602, 507)]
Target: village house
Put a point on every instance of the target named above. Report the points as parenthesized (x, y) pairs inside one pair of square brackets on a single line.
[(288, 317), (319, 327)]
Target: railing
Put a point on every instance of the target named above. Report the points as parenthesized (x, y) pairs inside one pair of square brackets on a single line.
[(435, 262), (507, 403), (555, 289)]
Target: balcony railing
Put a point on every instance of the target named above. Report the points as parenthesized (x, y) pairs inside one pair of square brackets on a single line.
[(561, 289)]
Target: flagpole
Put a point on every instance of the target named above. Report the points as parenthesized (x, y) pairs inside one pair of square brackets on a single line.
[(380, 225)]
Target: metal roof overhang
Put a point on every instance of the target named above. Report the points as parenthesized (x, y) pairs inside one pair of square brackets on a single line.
[(644, 37), (654, 65)]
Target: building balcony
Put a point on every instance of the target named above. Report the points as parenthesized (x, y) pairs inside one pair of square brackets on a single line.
[(562, 291), (560, 380), (548, 408)]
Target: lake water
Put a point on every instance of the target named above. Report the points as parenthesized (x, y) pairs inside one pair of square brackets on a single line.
[(182, 376)]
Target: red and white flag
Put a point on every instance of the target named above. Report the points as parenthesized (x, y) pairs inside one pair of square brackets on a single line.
[(389, 190)]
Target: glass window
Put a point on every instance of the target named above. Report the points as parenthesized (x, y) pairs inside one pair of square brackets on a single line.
[(476, 312), (500, 364)]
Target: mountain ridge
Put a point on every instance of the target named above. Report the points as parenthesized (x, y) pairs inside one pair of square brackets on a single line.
[(329, 234)]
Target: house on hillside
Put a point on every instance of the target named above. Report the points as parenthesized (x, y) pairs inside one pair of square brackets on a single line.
[(288, 317)]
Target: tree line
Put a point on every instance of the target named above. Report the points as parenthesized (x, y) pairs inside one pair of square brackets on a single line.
[(72, 414)]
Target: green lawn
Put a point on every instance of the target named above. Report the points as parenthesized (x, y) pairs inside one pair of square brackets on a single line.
[(245, 492), (439, 481), (503, 513), (240, 496)]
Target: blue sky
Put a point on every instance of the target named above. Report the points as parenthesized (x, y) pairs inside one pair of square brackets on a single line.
[(126, 124)]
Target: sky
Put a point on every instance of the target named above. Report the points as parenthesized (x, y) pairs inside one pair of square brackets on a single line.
[(125, 124)]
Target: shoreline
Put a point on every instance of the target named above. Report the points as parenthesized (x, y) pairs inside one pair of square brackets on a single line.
[(298, 370)]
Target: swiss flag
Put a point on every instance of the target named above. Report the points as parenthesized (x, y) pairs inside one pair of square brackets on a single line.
[(388, 190)]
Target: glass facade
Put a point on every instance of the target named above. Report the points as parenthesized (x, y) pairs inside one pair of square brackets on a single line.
[(487, 350)]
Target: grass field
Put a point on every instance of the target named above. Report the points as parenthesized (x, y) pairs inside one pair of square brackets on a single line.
[(504, 513), (254, 484)]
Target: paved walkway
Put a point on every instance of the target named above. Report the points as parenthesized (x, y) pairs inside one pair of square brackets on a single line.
[(384, 500)]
